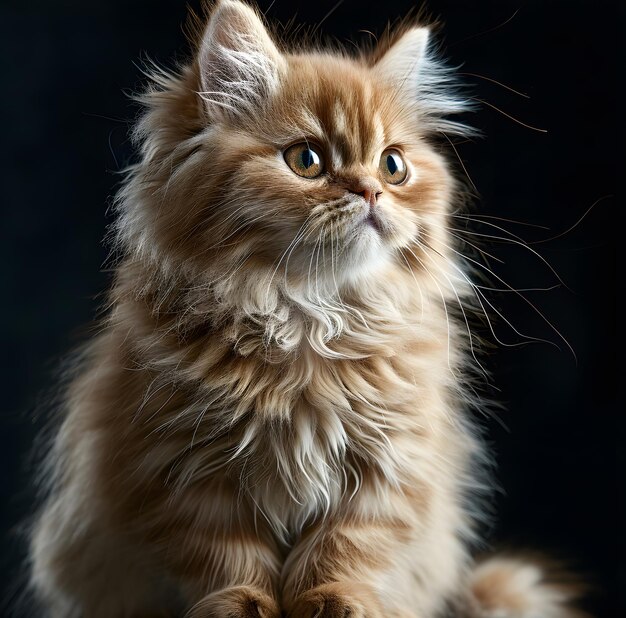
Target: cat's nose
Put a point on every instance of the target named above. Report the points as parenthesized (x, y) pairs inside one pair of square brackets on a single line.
[(370, 189)]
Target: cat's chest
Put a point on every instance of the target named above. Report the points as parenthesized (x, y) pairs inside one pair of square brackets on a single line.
[(316, 399), (346, 417)]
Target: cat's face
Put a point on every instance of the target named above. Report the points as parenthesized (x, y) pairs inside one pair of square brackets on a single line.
[(313, 166), (331, 174)]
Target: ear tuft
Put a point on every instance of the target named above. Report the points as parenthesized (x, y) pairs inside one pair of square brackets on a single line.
[(425, 82), (405, 58), (239, 63)]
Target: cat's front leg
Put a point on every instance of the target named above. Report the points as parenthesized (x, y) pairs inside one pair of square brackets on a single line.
[(233, 579), (347, 565), (230, 566)]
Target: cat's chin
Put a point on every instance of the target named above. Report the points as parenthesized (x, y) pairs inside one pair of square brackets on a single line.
[(365, 256), (379, 229)]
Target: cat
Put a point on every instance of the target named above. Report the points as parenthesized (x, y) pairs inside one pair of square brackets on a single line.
[(275, 415)]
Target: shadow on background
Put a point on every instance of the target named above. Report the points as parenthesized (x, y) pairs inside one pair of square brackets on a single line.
[(65, 137)]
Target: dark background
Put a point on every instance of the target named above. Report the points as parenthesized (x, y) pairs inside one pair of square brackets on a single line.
[(67, 69)]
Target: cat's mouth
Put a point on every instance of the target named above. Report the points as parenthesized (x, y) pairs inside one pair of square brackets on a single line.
[(360, 225), (372, 220)]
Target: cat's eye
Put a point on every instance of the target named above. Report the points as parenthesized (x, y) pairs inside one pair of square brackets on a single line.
[(392, 167), (305, 159)]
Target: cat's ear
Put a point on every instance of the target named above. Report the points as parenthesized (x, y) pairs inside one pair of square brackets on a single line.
[(403, 63), (410, 66), (238, 62)]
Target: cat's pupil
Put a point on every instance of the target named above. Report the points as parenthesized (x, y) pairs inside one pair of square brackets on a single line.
[(308, 158), (392, 166)]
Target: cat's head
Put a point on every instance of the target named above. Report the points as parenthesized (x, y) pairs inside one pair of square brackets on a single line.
[(297, 167)]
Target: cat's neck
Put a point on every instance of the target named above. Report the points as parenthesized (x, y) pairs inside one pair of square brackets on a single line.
[(259, 313)]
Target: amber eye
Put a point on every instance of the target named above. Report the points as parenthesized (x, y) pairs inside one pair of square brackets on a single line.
[(392, 167), (305, 160)]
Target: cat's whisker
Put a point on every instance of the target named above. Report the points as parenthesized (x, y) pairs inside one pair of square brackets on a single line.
[(471, 218), (317, 267), (301, 240), (445, 306), (495, 81), (332, 267), (419, 288), (497, 109), (462, 308), (467, 232), (518, 293), (328, 300), (524, 245), (485, 313), (480, 297), (289, 249), (479, 218), (574, 225), (510, 288), (458, 156), (458, 235), (515, 240), (514, 290), (310, 270)]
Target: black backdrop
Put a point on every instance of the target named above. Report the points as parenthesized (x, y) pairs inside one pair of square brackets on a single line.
[(67, 68)]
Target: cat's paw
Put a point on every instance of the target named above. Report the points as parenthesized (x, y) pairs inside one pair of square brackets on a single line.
[(337, 600), (236, 602)]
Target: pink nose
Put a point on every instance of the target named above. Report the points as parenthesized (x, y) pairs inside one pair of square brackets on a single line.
[(368, 188)]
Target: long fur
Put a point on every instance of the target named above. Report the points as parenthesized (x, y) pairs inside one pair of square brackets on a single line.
[(274, 414)]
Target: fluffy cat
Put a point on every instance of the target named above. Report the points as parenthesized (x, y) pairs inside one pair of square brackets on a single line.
[(273, 418)]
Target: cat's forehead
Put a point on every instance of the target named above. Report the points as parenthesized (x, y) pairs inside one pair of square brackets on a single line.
[(336, 101)]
